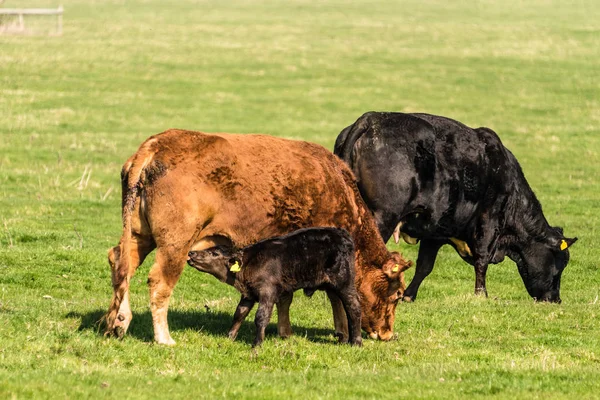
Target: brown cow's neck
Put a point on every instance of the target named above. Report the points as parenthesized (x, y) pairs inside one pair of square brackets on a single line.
[(371, 250)]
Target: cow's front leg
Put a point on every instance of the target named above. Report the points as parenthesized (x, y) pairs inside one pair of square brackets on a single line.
[(284, 327), (340, 320), (487, 233), (428, 251), (162, 279), (480, 272), (241, 312)]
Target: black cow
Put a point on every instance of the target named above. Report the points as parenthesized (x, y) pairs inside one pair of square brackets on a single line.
[(310, 259), (433, 179)]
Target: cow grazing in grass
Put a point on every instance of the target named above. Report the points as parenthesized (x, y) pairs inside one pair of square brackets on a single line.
[(433, 179), (185, 190), (310, 259)]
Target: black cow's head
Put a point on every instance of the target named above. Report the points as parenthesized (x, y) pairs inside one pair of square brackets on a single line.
[(541, 264)]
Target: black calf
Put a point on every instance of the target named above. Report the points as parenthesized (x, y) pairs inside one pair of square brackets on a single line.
[(310, 259)]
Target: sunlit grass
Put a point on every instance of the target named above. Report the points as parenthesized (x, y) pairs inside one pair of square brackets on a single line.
[(73, 108)]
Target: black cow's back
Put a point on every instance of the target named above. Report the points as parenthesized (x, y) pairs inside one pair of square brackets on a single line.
[(432, 166)]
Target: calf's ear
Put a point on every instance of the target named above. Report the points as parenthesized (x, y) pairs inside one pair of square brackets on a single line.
[(234, 260)]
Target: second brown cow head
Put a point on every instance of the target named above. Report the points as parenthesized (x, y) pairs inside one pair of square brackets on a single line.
[(379, 291)]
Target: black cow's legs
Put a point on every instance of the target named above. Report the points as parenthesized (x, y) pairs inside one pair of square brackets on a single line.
[(243, 308), (428, 251), (480, 271), (263, 316)]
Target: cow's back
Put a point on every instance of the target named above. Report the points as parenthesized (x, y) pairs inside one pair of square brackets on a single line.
[(409, 163), (246, 187)]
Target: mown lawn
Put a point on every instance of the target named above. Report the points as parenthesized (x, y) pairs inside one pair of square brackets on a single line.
[(73, 108)]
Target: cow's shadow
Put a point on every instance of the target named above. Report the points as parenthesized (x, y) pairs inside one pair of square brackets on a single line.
[(216, 323)]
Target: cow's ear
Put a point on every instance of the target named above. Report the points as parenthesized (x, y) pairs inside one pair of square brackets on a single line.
[(394, 268), (394, 272), (565, 243), (558, 242), (235, 260)]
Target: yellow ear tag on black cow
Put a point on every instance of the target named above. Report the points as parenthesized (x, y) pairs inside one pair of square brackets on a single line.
[(563, 245), (396, 268), (235, 267)]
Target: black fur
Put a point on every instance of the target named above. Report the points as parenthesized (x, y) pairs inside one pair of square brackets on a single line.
[(310, 259), (441, 180)]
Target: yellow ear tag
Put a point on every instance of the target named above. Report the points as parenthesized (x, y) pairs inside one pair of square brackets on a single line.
[(235, 267), (563, 245), (396, 268)]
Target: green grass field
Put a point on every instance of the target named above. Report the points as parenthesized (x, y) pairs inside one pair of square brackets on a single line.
[(73, 108)]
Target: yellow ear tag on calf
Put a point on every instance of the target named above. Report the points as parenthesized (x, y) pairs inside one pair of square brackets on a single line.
[(235, 267), (563, 245), (396, 268)]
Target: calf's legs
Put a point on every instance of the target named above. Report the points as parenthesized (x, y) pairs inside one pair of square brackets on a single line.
[(263, 316), (241, 312)]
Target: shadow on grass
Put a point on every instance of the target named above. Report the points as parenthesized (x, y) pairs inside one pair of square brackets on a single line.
[(215, 323)]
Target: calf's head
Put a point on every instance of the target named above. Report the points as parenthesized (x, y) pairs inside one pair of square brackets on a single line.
[(217, 261), (379, 292), (541, 264)]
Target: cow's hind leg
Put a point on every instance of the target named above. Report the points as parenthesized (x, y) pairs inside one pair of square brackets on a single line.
[(284, 327), (262, 318), (170, 261), (339, 317), (119, 314), (428, 251)]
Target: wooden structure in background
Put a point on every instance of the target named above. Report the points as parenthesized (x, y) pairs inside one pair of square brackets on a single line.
[(22, 12)]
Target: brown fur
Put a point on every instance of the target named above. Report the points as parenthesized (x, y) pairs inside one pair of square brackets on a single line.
[(186, 190)]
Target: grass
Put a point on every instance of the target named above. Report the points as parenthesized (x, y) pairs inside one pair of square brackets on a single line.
[(73, 108)]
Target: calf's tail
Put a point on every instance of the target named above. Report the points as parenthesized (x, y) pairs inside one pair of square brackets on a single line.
[(131, 182)]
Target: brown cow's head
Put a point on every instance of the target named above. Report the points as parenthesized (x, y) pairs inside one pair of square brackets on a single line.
[(380, 290)]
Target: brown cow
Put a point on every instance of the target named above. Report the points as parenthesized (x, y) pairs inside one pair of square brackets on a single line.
[(185, 190)]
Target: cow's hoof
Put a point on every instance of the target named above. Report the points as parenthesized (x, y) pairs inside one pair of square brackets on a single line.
[(285, 333), (407, 299), (166, 342), (357, 342), (119, 332), (341, 337)]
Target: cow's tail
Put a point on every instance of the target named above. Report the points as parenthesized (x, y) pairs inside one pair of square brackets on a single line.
[(347, 138), (131, 182)]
